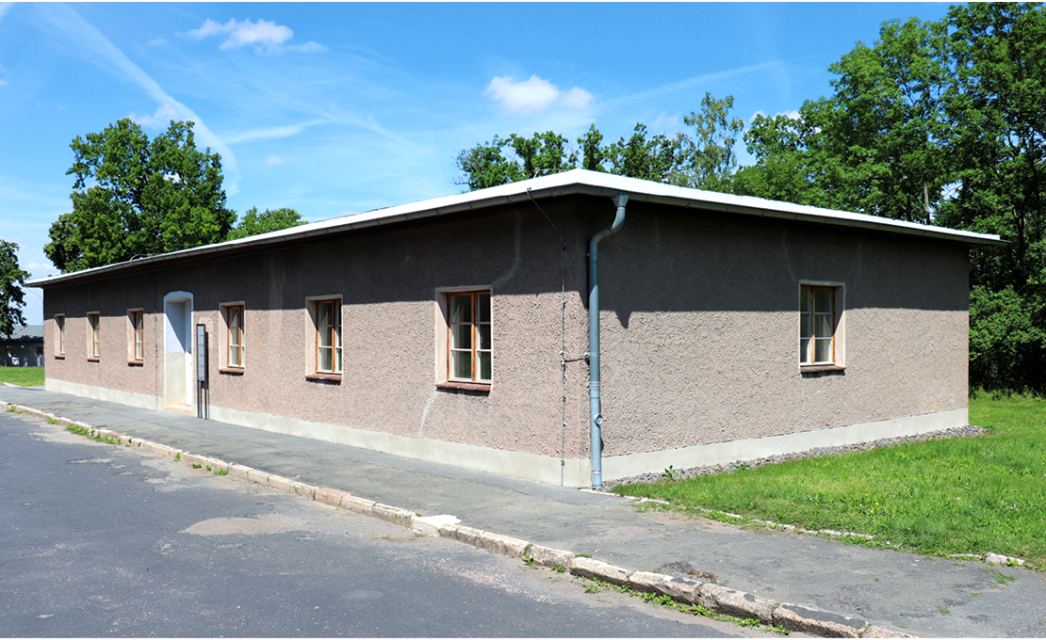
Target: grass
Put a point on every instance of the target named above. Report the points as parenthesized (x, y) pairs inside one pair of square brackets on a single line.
[(957, 495), (22, 376)]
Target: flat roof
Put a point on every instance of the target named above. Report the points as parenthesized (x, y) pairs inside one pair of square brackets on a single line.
[(574, 182)]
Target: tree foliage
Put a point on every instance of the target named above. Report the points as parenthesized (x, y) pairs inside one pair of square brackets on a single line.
[(705, 160), (254, 223), (12, 278), (134, 196)]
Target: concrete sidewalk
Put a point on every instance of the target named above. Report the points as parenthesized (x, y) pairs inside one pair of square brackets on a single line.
[(916, 595)]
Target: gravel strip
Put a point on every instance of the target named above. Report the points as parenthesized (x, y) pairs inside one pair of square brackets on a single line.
[(969, 430)]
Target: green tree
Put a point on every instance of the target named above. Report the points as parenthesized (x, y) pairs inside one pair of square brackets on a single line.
[(706, 161), (487, 165), (12, 279), (254, 223), (659, 158), (713, 160), (876, 145), (137, 196)]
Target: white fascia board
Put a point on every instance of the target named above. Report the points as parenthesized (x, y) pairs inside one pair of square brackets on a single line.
[(576, 181)]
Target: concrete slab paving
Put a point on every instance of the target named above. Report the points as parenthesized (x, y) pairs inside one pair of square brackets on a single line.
[(922, 596)]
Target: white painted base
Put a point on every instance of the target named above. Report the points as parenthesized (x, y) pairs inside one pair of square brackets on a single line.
[(137, 400), (572, 472), (751, 449)]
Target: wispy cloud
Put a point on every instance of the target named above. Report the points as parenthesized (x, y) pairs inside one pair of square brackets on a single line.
[(269, 133), (274, 161), (96, 48), (163, 116), (262, 34), (695, 81), (4, 8), (534, 95)]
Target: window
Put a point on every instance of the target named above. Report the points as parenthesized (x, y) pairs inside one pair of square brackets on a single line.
[(328, 336), (137, 337), (94, 345), (469, 336), (59, 337), (233, 314), (820, 325)]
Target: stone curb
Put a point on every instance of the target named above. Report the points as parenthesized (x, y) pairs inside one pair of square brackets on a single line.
[(716, 598)]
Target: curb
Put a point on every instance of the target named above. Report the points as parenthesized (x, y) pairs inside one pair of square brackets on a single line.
[(714, 597)]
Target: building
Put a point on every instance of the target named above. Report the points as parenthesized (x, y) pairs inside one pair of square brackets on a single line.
[(24, 348), (458, 329)]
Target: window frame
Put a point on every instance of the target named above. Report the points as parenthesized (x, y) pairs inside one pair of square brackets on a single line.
[(228, 344), (807, 344), (59, 336), (446, 348), (94, 336), (314, 348), (136, 336)]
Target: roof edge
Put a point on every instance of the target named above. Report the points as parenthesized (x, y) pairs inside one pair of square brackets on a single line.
[(576, 181)]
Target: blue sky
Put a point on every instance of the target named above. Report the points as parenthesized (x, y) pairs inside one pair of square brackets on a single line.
[(332, 108)]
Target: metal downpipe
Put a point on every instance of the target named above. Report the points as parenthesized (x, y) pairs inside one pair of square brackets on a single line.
[(595, 412)]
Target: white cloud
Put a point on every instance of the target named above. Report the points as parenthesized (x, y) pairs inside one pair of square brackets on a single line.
[(159, 120), (577, 98), (273, 161), (535, 94), (260, 34), (665, 122)]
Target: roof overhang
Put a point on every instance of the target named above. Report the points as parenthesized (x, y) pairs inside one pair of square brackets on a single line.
[(575, 182)]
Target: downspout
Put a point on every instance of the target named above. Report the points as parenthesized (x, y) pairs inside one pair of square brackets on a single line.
[(596, 415)]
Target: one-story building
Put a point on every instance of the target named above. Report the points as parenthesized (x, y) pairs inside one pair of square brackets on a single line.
[(23, 348), (461, 329)]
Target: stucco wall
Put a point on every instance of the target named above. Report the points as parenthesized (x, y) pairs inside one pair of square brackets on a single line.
[(699, 330), (388, 281)]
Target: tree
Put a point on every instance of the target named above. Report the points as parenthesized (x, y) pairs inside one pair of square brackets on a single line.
[(11, 295), (253, 223), (706, 162), (136, 196), (486, 164), (712, 157)]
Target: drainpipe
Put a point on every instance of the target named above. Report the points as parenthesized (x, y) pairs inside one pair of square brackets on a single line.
[(596, 415)]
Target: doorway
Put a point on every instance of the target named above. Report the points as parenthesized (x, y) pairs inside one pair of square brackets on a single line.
[(177, 351)]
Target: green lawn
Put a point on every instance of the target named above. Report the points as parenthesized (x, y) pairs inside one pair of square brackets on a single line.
[(958, 495), (22, 376)]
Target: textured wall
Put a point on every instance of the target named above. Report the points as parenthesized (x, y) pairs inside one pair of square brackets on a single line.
[(700, 328)]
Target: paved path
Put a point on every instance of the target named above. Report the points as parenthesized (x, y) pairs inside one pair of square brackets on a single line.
[(918, 595)]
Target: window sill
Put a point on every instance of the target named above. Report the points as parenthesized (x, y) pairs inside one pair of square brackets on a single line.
[(231, 370), (62, 357), (334, 378), (820, 368), (464, 386), (135, 363), (94, 359)]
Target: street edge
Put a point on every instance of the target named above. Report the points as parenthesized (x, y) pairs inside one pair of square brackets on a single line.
[(714, 597)]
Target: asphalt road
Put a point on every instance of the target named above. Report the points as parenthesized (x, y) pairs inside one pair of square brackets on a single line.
[(99, 540)]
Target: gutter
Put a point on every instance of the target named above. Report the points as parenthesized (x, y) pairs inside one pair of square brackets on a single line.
[(594, 393)]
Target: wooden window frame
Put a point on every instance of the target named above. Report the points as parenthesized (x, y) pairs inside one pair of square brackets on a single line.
[(137, 341), (59, 324), (337, 339), (94, 336), (808, 292), (475, 381), (231, 343)]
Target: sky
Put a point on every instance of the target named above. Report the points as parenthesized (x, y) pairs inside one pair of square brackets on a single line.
[(337, 108)]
